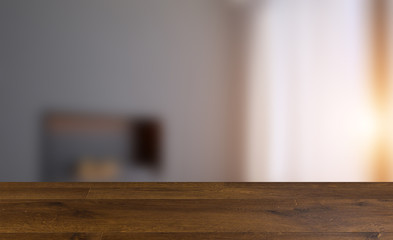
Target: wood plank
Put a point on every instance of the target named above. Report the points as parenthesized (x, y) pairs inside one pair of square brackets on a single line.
[(240, 190), (247, 236), (191, 236), (288, 211), (158, 191), (197, 215), (42, 193), (50, 236), (205, 190)]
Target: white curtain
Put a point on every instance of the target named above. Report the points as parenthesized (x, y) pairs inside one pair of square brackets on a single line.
[(310, 114)]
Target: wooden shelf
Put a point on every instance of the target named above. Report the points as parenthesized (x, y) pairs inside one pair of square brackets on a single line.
[(328, 211)]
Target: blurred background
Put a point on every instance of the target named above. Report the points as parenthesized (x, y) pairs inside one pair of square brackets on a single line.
[(196, 90)]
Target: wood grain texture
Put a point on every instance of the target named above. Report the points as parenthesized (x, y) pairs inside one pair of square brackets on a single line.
[(247, 236), (117, 211), (52, 236)]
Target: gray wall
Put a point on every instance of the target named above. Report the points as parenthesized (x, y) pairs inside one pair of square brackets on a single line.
[(169, 58)]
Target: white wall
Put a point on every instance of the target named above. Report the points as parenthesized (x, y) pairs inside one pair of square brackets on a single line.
[(169, 58)]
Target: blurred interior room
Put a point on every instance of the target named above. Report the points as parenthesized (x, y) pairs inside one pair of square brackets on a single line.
[(196, 90)]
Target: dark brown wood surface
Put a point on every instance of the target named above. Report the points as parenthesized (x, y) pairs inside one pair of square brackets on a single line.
[(289, 211)]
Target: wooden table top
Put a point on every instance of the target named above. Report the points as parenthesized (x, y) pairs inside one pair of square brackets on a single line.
[(114, 211)]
